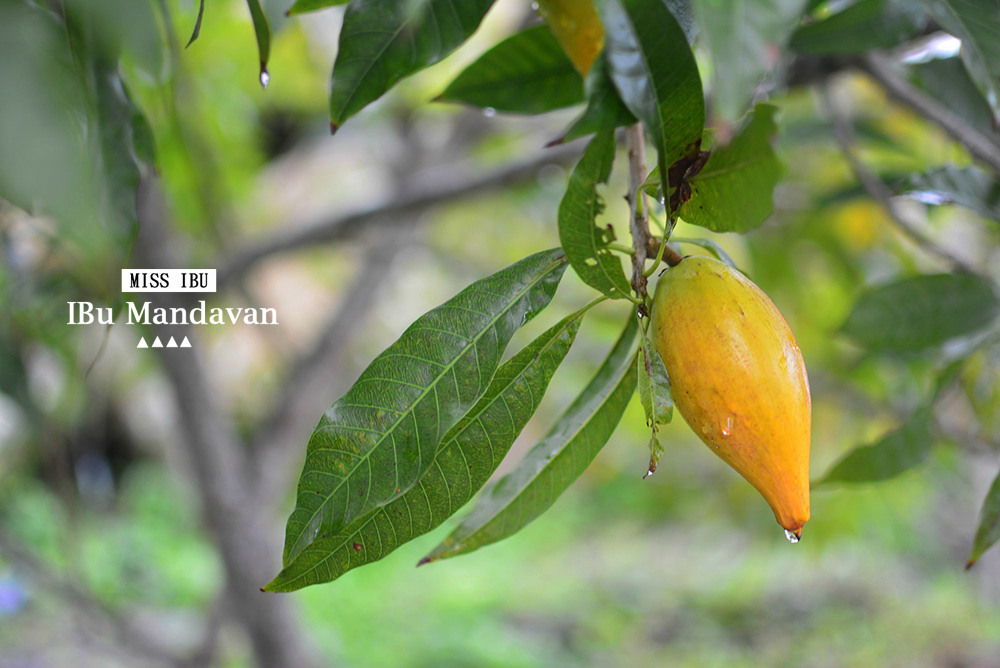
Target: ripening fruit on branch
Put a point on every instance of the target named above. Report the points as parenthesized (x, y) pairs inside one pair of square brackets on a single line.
[(738, 378)]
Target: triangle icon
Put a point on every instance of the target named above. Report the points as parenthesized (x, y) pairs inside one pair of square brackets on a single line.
[(157, 343), (185, 343), (142, 343), (171, 343)]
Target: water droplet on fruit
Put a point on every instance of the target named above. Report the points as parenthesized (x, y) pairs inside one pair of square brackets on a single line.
[(792, 537), (489, 112), (727, 428)]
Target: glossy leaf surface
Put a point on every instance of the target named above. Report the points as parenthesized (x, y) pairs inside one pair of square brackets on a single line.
[(464, 461), (554, 463), (379, 439)]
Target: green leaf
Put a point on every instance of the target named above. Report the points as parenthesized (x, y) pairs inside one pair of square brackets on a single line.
[(528, 73), (733, 192), (464, 461), (894, 453), (656, 76), (988, 532), (303, 6), (742, 36), (977, 24), (862, 26), (971, 187), (262, 31), (554, 463), (947, 79), (376, 442), (605, 110), (921, 312), (197, 24), (383, 41), (654, 386), (585, 243)]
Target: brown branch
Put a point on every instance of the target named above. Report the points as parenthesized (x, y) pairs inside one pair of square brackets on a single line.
[(454, 185), (638, 218), (882, 69), (220, 469), (86, 603), (873, 185)]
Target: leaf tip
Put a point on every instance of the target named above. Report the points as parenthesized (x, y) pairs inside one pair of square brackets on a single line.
[(425, 560), (333, 128), (558, 141)]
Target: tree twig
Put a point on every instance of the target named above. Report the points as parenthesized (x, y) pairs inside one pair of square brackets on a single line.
[(88, 605), (873, 185), (883, 71), (638, 218), (450, 187)]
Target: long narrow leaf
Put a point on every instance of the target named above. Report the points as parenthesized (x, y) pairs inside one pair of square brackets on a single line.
[(465, 460), (526, 73), (896, 452), (921, 312), (655, 73), (605, 110), (383, 41), (585, 243), (262, 31), (988, 532), (555, 462), (376, 442)]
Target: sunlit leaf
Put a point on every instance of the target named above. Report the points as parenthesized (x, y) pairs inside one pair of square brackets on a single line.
[(655, 73), (466, 458), (577, 28), (894, 453), (527, 73), (971, 187), (920, 312), (862, 25), (303, 6), (734, 191), (383, 41), (584, 242), (556, 462), (988, 532), (977, 24), (744, 37), (376, 442)]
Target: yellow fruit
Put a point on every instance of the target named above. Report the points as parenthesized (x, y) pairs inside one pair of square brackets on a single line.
[(738, 378)]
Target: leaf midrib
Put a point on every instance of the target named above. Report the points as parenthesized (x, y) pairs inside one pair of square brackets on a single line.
[(349, 536), (622, 369), (432, 385)]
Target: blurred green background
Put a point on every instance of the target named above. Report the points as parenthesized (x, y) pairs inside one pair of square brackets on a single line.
[(685, 568)]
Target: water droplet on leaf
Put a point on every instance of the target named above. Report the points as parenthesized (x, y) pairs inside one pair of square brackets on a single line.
[(265, 78), (489, 112), (357, 547)]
